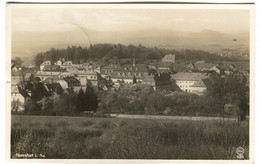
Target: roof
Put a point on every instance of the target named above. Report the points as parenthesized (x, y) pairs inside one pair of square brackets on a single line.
[(42, 73), (131, 68), (189, 76), (169, 57), (46, 61), (164, 64), (199, 83), (85, 73)]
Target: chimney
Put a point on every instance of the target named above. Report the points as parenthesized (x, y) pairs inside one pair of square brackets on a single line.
[(134, 62)]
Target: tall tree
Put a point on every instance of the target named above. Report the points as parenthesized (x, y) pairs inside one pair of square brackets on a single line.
[(91, 99), (81, 101)]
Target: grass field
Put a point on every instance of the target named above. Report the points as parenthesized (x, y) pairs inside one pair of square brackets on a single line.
[(121, 138)]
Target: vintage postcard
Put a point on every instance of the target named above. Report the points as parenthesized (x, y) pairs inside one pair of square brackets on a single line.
[(125, 82)]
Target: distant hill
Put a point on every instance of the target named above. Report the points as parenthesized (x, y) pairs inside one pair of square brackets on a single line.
[(28, 44)]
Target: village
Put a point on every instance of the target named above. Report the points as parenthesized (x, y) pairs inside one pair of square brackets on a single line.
[(161, 75)]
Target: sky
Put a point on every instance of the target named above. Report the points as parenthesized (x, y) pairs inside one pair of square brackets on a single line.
[(41, 19)]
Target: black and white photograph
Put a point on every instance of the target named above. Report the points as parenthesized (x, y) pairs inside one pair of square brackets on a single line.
[(114, 81)]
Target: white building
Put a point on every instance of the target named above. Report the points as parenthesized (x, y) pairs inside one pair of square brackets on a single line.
[(59, 62), (47, 62), (190, 82), (169, 58), (45, 74)]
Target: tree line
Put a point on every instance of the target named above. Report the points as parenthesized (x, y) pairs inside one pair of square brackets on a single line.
[(106, 52)]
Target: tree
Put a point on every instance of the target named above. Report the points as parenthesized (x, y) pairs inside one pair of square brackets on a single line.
[(81, 103), (230, 89), (91, 99), (17, 61)]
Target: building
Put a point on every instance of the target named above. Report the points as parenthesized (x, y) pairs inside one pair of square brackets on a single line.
[(169, 58), (87, 75), (66, 64), (59, 63), (190, 82), (126, 73), (200, 66), (163, 67), (47, 62), (17, 99), (107, 71), (45, 74)]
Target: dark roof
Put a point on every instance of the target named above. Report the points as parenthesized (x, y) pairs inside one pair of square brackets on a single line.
[(131, 68), (164, 65)]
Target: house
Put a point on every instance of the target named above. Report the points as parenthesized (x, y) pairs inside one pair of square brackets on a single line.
[(107, 71), (126, 73), (66, 64), (190, 82), (47, 62), (59, 63), (169, 58)]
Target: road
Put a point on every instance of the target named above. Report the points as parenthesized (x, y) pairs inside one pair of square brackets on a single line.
[(199, 118)]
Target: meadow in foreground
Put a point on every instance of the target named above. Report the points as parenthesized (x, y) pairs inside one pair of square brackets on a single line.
[(114, 138)]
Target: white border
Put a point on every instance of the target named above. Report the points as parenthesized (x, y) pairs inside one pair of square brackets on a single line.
[(3, 80)]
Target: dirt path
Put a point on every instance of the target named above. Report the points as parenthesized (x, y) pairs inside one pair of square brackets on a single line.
[(169, 117)]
